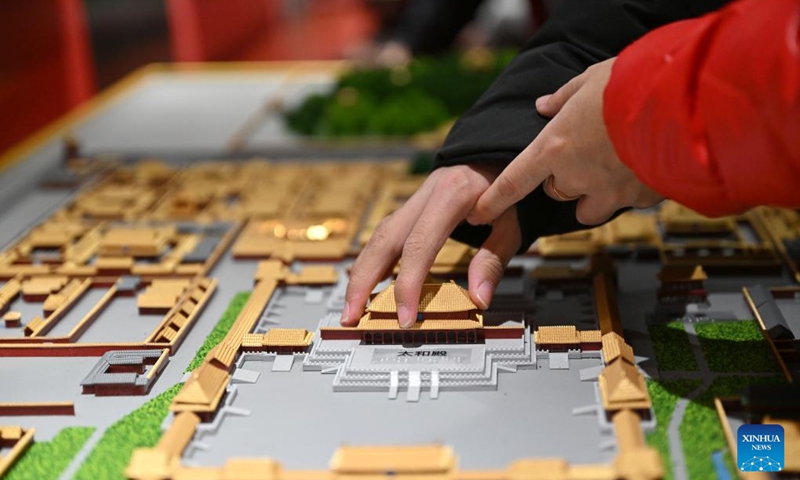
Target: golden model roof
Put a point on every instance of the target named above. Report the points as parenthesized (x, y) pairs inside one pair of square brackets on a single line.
[(149, 463), (633, 227), (614, 347), (401, 460), (583, 242), (677, 273), (180, 433), (12, 432), (545, 468), (434, 298), (43, 285), (287, 337), (453, 254), (203, 386), (564, 334), (558, 272), (590, 336), (314, 275), (253, 340), (271, 269), (639, 462), (134, 236), (247, 469), (50, 237), (162, 293), (224, 353), (622, 385), (559, 335)]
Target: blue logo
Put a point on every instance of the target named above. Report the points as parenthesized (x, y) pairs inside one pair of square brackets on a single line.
[(760, 448)]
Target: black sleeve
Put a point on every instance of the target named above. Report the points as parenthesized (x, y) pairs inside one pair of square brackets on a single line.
[(430, 26), (504, 120)]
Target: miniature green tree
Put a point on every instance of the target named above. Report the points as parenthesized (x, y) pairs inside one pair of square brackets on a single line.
[(399, 102)]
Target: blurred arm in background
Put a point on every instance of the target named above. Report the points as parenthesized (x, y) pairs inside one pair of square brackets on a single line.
[(419, 27)]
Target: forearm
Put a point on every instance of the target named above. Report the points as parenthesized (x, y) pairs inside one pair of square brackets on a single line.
[(714, 123), (504, 120)]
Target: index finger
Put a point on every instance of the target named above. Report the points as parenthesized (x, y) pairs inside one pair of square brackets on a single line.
[(380, 254), (518, 179)]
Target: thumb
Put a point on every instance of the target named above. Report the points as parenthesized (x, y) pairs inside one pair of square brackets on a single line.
[(487, 266), (550, 105)]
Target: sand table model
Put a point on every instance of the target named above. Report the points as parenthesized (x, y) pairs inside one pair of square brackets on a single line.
[(181, 321)]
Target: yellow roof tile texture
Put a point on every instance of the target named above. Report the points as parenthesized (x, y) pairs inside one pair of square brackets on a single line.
[(286, 337), (434, 298)]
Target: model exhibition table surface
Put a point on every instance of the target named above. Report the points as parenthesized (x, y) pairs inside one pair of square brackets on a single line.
[(160, 291)]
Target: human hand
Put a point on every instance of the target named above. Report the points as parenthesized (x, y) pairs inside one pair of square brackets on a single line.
[(573, 156), (417, 231)]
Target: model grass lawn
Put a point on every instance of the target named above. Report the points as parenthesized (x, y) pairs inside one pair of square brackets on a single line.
[(736, 346), (671, 347), (48, 460), (140, 428), (665, 395), (220, 329)]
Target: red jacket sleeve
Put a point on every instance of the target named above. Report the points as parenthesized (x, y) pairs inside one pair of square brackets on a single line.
[(707, 111)]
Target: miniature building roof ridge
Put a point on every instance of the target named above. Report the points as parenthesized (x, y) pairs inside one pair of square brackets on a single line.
[(246, 469), (434, 298), (624, 383), (224, 353), (180, 433), (557, 334), (253, 340), (429, 324), (614, 346), (624, 391), (203, 385), (590, 336), (431, 459), (286, 337), (638, 462)]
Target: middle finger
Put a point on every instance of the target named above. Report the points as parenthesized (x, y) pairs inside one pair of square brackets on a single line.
[(442, 214)]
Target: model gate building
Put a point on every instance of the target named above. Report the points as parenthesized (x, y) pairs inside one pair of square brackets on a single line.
[(446, 314), (682, 285)]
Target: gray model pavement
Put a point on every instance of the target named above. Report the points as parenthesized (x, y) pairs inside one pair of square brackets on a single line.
[(674, 434), (79, 310), (296, 417)]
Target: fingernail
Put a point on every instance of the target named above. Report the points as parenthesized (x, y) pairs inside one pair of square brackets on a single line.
[(345, 313), (475, 219), (541, 102), (484, 294), (404, 316)]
